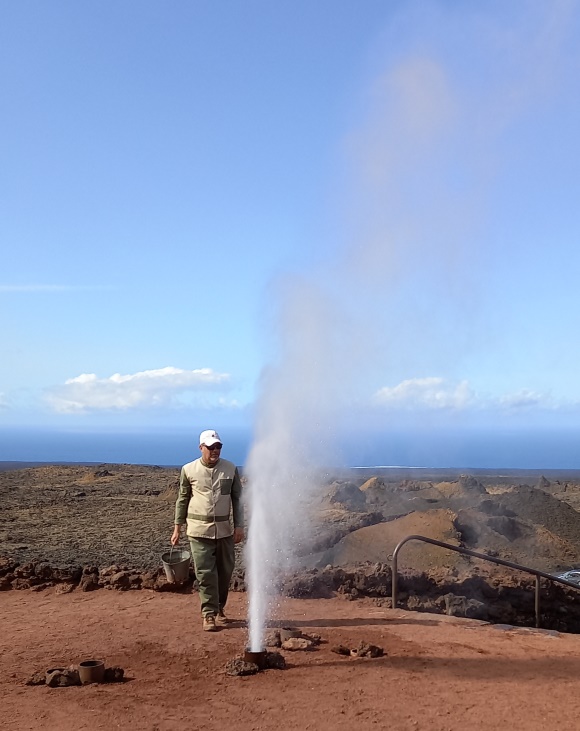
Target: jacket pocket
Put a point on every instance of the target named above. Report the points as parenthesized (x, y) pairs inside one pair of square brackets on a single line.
[(226, 486)]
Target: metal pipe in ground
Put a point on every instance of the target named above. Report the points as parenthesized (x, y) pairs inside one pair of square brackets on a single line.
[(258, 658)]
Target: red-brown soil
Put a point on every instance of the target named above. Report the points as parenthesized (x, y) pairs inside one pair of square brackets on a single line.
[(439, 673)]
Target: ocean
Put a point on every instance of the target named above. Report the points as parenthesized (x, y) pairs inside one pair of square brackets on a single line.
[(482, 449)]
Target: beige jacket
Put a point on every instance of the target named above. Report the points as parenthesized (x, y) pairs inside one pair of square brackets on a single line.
[(209, 497)]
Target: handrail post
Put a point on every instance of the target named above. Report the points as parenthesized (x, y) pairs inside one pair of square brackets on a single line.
[(394, 575)]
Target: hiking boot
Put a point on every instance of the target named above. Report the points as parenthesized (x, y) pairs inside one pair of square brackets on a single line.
[(221, 617), (209, 623)]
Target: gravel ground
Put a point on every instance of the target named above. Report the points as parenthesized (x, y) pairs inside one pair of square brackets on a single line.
[(110, 514)]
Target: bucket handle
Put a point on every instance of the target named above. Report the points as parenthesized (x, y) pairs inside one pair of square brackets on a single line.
[(171, 552)]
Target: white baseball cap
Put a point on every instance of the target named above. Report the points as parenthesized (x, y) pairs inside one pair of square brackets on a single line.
[(209, 437)]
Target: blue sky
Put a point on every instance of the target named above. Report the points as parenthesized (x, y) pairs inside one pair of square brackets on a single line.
[(194, 192)]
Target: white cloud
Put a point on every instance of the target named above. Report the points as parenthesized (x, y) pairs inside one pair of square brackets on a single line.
[(523, 399), (158, 387), (431, 392), (436, 393), (3, 402)]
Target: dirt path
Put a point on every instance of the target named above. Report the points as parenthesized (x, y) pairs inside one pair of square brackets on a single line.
[(439, 673)]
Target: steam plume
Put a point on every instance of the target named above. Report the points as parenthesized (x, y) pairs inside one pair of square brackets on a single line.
[(407, 278)]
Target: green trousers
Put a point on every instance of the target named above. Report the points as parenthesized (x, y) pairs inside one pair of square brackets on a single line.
[(213, 560)]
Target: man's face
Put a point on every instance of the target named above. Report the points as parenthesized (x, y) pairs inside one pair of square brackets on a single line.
[(210, 455)]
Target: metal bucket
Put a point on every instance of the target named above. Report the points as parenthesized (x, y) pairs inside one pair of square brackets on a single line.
[(91, 671), (176, 565)]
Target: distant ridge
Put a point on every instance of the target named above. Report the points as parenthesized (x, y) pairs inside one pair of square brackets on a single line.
[(18, 465), (392, 471), (5, 466)]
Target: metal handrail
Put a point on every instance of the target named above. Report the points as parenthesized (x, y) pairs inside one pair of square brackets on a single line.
[(465, 551)]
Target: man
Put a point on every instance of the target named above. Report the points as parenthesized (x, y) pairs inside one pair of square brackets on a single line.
[(209, 490)]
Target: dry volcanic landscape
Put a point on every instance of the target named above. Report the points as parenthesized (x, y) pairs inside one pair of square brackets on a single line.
[(448, 652), (89, 527)]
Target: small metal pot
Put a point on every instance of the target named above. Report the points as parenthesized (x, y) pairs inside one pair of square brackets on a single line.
[(91, 671)]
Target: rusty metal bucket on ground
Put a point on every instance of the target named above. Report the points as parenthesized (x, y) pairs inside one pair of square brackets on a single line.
[(176, 565), (91, 671)]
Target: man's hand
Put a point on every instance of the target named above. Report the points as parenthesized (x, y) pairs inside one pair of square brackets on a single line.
[(238, 535), (175, 535)]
